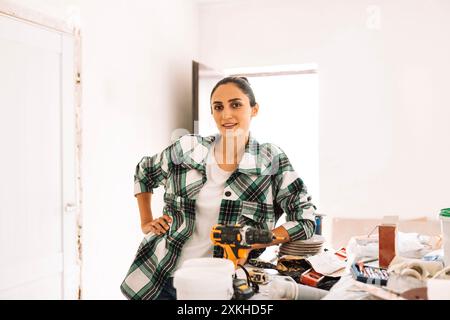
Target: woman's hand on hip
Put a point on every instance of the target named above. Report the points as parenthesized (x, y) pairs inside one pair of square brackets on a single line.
[(158, 226)]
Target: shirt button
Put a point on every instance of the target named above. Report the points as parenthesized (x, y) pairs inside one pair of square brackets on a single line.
[(228, 193)]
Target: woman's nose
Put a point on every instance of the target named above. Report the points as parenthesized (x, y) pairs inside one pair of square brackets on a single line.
[(227, 113)]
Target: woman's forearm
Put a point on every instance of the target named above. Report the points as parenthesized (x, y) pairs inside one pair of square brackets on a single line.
[(279, 232), (159, 225), (145, 211)]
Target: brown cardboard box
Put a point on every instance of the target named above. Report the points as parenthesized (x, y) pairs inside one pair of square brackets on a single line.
[(387, 239)]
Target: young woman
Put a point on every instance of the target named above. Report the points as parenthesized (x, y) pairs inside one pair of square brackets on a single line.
[(226, 178)]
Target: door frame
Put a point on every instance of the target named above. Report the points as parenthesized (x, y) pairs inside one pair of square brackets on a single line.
[(9, 9)]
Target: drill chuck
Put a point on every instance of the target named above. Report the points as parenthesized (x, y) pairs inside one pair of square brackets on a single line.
[(238, 235), (254, 236), (237, 240)]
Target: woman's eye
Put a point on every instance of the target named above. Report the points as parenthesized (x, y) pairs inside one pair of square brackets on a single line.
[(236, 105), (217, 107)]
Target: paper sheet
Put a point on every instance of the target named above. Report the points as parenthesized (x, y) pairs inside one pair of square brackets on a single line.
[(326, 263)]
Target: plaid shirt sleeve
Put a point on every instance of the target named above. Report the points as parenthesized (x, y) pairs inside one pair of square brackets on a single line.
[(151, 172), (291, 197)]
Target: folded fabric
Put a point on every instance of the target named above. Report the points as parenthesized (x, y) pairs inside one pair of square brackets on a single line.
[(410, 245), (416, 268)]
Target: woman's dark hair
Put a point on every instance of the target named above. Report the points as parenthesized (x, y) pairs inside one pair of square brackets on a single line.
[(242, 83)]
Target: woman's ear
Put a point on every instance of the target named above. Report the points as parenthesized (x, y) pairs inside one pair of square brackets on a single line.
[(255, 109)]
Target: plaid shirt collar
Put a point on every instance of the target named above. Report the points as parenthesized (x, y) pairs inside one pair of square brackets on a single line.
[(251, 162)]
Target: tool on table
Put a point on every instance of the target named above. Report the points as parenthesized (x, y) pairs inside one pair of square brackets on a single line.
[(237, 241), (258, 276), (242, 291)]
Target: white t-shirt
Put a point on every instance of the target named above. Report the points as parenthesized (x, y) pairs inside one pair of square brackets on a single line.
[(207, 208)]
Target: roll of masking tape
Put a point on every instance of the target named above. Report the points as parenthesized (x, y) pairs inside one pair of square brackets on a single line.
[(411, 273)]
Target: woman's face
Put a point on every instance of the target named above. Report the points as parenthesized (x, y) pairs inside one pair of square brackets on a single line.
[(231, 110)]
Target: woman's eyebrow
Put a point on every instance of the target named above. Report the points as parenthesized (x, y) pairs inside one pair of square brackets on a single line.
[(231, 100)]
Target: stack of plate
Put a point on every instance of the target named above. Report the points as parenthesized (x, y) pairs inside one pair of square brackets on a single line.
[(302, 248)]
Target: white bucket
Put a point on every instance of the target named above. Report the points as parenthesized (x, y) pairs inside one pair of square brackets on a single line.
[(445, 227), (196, 283), (223, 265)]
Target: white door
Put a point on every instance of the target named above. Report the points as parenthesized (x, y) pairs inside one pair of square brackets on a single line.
[(38, 232)]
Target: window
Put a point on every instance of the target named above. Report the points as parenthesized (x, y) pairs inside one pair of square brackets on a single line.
[(288, 116)]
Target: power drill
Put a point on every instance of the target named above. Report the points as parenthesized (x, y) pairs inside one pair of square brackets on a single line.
[(237, 240)]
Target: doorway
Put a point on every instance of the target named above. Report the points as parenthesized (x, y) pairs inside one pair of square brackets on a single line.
[(39, 166)]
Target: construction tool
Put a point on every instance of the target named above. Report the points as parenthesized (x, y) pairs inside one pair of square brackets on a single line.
[(236, 240)]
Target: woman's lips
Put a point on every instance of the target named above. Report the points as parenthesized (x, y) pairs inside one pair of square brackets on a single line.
[(229, 126)]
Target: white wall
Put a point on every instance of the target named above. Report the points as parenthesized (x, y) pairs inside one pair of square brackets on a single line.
[(137, 58), (383, 101), (384, 98)]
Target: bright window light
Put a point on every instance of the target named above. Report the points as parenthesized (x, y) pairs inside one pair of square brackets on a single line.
[(288, 116)]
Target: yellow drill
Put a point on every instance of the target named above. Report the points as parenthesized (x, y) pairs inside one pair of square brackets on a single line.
[(237, 240)]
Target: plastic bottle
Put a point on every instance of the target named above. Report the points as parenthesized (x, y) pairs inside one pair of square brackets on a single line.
[(445, 227)]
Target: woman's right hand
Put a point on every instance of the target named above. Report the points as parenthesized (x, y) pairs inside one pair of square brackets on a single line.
[(158, 226)]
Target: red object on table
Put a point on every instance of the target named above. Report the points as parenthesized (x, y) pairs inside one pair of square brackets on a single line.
[(387, 238), (311, 278)]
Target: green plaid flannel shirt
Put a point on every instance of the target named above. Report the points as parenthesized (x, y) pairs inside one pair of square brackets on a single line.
[(257, 193)]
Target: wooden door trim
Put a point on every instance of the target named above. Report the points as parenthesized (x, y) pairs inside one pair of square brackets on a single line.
[(12, 10), (25, 14)]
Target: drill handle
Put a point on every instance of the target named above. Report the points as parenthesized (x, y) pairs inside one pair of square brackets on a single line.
[(236, 254)]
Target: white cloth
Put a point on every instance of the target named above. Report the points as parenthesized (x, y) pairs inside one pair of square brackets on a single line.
[(207, 208)]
